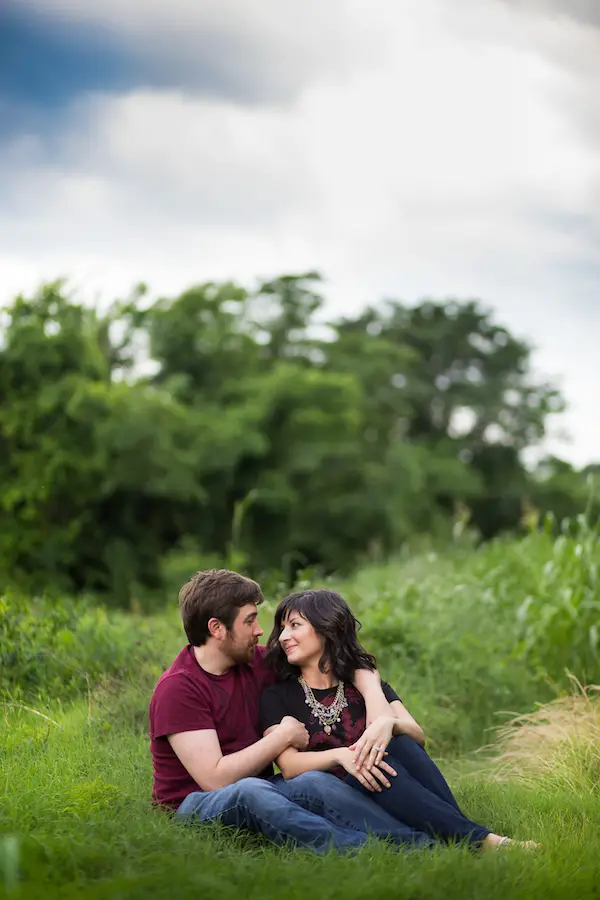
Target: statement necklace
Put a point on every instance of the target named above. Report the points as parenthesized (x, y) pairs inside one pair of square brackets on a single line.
[(326, 715)]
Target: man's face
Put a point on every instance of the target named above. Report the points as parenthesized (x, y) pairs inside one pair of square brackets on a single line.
[(243, 637)]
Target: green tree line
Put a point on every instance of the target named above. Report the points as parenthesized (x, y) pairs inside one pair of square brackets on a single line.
[(233, 419)]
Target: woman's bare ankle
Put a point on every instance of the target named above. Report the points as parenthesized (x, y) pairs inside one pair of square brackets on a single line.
[(491, 841)]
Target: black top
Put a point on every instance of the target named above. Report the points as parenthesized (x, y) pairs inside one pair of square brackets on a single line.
[(286, 698)]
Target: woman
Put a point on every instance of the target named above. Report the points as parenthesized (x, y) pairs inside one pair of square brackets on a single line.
[(314, 650)]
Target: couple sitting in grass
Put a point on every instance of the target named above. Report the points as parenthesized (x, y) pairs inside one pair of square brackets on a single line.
[(350, 755)]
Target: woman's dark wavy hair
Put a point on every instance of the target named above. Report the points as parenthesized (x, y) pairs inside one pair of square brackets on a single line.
[(331, 617)]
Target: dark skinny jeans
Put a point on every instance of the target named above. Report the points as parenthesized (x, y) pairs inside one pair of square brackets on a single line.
[(420, 796)]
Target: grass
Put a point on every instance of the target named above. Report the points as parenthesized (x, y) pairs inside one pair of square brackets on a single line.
[(75, 803), (451, 635)]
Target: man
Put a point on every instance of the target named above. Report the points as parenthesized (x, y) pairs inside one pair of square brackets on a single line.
[(209, 760)]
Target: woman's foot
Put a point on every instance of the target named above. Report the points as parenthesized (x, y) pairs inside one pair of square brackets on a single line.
[(493, 841)]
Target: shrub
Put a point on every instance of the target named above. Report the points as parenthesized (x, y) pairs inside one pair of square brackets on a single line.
[(56, 650)]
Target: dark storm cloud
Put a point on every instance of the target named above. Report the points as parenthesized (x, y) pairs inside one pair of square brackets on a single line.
[(52, 52)]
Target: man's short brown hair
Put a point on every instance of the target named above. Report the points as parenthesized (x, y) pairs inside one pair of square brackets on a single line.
[(216, 594)]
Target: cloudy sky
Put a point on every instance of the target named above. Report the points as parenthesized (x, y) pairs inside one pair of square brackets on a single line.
[(406, 148)]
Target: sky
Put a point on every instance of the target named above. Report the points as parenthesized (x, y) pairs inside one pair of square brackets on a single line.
[(404, 148)]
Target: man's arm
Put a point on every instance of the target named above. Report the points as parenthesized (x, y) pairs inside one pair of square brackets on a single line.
[(368, 683), (405, 724), (200, 753), (383, 720), (370, 748)]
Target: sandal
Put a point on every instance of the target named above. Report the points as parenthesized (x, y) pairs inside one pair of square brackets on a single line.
[(510, 842)]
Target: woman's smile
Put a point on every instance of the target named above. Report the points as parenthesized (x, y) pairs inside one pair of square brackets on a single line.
[(299, 640)]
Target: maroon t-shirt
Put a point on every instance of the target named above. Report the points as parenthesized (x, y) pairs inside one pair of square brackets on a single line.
[(186, 698)]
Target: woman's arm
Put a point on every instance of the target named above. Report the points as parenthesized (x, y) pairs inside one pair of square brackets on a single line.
[(292, 762), (295, 763)]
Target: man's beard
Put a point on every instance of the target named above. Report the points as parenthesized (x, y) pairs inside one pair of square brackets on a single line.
[(239, 653)]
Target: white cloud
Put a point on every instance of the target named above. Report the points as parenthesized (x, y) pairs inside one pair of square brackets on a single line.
[(567, 32), (448, 166)]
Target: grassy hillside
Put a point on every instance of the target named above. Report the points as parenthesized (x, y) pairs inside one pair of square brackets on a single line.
[(462, 636)]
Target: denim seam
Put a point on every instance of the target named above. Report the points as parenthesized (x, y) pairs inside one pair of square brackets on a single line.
[(332, 814)]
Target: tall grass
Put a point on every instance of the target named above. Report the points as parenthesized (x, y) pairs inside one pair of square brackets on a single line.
[(558, 743), (468, 635)]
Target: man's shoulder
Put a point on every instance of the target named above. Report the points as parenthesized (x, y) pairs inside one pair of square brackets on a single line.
[(182, 670), (181, 663), (185, 674)]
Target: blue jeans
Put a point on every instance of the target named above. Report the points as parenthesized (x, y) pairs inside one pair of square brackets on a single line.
[(420, 795), (315, 811)]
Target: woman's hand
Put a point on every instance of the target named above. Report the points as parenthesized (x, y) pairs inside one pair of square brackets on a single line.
[(370, 748), (372, 779)]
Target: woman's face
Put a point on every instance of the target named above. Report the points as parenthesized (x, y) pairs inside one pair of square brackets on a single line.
[(300, 642)]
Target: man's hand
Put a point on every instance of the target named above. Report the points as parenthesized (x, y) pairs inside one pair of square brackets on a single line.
[(372, 779), (370, 748), (295, 732)]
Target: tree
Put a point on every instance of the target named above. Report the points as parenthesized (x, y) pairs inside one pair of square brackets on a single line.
[(446, 378), (224, 409), (285, 309), (86, 464)]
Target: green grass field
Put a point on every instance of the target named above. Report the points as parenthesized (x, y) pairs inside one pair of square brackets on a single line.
[(451, 633)]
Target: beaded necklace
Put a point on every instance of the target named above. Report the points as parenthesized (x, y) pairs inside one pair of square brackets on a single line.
[(326, 715)]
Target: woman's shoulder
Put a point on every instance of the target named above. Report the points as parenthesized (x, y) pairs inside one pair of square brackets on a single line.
[(283, 688), (278, 700)]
